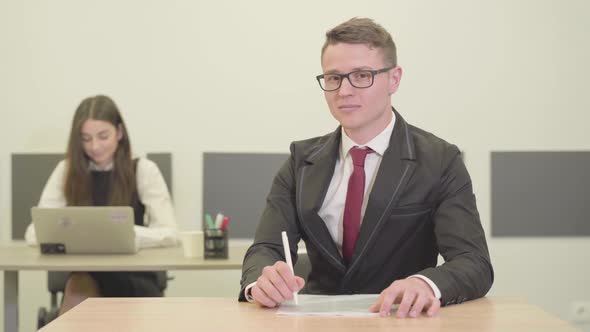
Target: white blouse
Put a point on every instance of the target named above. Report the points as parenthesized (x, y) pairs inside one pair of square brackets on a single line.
[(161, 230)]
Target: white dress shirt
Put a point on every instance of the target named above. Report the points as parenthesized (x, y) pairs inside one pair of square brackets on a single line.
[(153, 194), (332, 210)]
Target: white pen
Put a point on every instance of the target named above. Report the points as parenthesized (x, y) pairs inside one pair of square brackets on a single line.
[(218, 220), (288, 258)]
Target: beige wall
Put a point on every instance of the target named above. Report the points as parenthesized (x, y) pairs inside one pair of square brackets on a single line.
[(194, 76)]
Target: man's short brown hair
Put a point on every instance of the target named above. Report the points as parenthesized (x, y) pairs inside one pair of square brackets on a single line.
[(363, 31)]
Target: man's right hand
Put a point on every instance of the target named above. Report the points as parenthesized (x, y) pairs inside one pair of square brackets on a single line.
[(276, 285)]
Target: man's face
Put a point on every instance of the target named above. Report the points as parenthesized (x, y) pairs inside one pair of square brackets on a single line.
[(363, 113)]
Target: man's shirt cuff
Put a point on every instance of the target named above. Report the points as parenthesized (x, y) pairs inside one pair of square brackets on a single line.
[(247, 294), (429, 282)]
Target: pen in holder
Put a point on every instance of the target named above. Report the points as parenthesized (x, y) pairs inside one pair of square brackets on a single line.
[(216, 243)]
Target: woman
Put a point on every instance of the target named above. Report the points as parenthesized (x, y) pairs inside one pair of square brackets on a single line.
[(99, 171)]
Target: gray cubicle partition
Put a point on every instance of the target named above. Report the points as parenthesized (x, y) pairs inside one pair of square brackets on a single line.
[(541, 193), (237, 185), (30, 172), (164, 162)]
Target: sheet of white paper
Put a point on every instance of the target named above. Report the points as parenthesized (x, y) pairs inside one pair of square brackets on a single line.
[(330, 305)]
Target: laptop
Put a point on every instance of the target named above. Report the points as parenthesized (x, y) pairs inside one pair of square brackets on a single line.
[(85, 230)]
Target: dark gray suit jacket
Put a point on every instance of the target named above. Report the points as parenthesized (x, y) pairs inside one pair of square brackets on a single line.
[(421, 204)]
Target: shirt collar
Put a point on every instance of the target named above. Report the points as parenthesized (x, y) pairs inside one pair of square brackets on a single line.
[(94, 167), (379, 143)]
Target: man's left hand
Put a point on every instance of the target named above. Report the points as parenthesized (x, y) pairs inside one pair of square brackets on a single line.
[(413, 295)]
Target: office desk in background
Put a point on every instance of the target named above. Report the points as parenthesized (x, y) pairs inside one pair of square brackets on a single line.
[(20, 257), (222, 314)]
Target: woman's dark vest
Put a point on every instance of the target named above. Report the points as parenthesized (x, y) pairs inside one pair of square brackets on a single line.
[(101, 181)]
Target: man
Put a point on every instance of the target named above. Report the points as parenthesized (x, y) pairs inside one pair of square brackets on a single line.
[(375, 201)]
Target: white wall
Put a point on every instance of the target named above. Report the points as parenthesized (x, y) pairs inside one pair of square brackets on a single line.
[(195, 76)]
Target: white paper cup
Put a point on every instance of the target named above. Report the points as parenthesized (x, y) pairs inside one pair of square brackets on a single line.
[(192, 244)]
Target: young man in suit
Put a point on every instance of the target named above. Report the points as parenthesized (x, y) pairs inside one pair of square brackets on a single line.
[(375, 201)]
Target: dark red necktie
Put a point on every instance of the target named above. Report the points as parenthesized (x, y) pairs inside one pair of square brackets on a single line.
[(354, 201)]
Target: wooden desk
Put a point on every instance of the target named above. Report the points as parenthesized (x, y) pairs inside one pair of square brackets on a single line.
[(221, 314), (18, 257)]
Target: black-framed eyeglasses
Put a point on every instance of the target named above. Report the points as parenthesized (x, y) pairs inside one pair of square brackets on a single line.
[(360, 79)]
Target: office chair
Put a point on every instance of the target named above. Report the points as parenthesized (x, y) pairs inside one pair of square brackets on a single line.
[(56, 283)]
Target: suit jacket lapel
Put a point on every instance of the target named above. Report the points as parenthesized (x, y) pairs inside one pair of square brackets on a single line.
[(396, 168), (314, 180)]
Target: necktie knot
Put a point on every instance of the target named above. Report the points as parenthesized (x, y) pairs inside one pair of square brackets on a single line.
[(359, 154)]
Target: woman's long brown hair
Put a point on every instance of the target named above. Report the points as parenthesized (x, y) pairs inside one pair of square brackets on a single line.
[(78, 181)]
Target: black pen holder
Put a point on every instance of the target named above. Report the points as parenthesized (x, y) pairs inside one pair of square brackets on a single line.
[(216, 244)]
